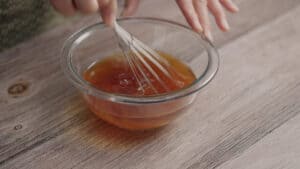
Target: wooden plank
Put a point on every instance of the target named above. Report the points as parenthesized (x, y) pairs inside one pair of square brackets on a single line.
[(34, 108), (279, 150), (267, 110), (255, 92)]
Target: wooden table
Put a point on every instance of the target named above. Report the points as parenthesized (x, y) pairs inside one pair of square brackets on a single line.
[(248, 117)]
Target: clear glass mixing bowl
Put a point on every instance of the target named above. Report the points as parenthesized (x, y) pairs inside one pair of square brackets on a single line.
[(98, 41)]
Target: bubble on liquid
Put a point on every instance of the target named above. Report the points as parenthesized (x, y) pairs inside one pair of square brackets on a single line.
[(144, 83), (140, 88), (93, 73), (124, 82), (141, 91), (151, 77), (179, 83), (143, 87), (125, 79)]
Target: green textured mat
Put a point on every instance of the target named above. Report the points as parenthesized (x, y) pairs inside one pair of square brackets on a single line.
[(22, 19)]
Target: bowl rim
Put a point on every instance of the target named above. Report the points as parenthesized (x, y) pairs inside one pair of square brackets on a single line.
[(84, 86)]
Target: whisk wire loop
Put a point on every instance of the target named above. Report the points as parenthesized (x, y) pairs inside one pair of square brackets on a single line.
[(142, 60)]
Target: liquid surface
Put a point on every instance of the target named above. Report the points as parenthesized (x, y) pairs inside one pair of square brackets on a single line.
[(114, 75)]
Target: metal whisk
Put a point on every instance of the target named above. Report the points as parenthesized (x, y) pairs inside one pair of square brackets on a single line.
[(142, 59)]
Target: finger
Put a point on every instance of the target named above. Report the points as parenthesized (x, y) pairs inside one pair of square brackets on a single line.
[(87, 6), (230, 5), (217, 10), (108, 12), (189, 13), (202, 12), (130, 7), (65, 7)]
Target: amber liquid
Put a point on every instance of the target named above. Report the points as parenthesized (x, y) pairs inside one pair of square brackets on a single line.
[(114, 75)]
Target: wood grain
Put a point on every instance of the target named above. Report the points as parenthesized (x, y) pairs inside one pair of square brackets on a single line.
[(278, 150), (256, 91)]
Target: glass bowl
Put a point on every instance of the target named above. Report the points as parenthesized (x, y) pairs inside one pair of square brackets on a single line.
[(98, 41)]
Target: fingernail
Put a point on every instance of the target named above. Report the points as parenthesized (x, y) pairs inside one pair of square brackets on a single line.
[(111, 20), (197, 26), (209, 36), (235, 8), (225, 25), (112, 13), (124, 13)]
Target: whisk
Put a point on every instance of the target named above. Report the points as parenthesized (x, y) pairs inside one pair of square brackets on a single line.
[(143, 61)]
